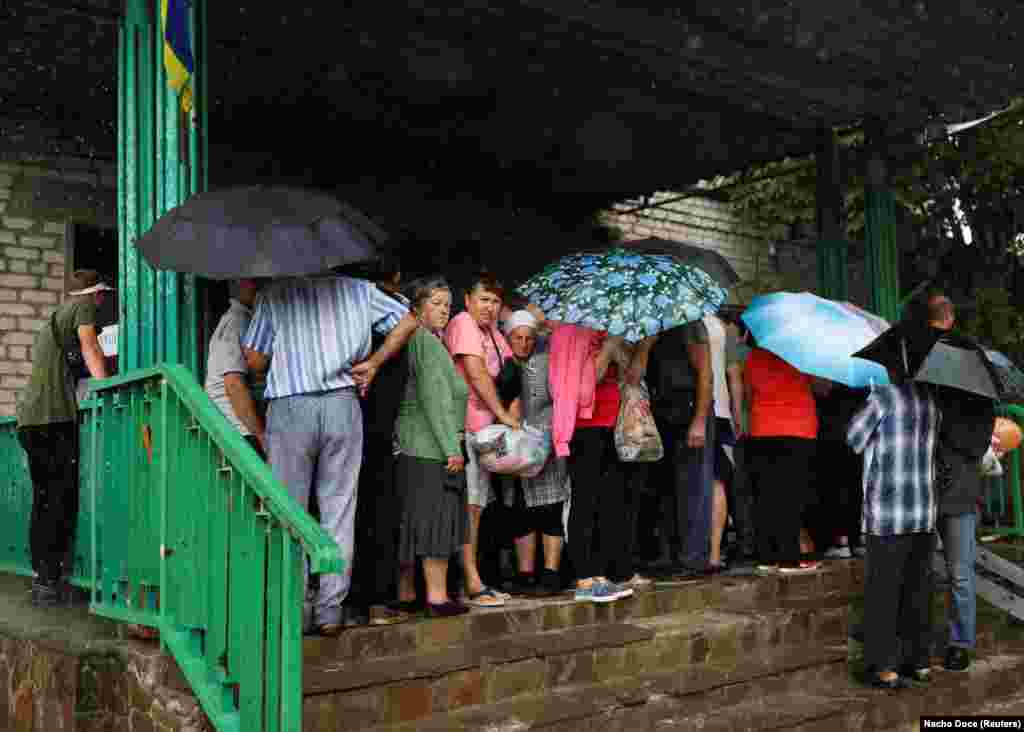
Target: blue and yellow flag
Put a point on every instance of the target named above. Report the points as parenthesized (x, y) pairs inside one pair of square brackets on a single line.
[(178, 49)]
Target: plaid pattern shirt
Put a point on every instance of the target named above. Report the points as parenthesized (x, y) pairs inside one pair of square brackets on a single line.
[(897, 432)]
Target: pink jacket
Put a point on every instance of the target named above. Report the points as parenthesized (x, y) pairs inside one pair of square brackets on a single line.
[(572, 376)]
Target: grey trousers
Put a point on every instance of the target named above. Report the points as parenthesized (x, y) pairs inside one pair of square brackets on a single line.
[(316, 444)]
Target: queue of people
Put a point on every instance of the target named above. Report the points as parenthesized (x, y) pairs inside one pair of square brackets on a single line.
[(738, 426), (375, 394)]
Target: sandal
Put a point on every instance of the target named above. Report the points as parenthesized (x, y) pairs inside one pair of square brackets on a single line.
[(486, 597)]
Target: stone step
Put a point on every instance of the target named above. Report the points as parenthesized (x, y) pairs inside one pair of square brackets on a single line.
[(833, 585), (803, 689), (351, 694)]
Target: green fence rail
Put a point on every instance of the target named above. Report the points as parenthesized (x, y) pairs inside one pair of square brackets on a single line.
[(1009, 487), (200, 541), (16, 503), (183, 528)]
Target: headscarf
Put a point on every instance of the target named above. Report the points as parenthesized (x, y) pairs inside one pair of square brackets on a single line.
[(520, 319)]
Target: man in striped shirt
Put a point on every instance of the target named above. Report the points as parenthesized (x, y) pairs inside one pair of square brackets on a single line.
[(314, 334), (897, 431)]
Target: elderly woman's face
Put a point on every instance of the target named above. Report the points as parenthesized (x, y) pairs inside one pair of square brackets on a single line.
[(522, 340), (436, 310), (483, 306)]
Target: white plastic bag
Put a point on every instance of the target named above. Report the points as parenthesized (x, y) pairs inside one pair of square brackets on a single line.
[(990, 465), (503, 450), (636, 434)]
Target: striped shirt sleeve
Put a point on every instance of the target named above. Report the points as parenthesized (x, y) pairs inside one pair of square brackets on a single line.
[(260, 334), (385, 311)]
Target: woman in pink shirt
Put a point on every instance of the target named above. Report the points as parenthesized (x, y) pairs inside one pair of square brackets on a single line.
[(479, 348)]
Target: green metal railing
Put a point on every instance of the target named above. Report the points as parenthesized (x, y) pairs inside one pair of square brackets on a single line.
[(1010, 482), (16, 500), (183, 528), (16, 503), (200, 541)]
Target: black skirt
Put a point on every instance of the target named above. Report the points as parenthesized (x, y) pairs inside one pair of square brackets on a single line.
[(432, 505)]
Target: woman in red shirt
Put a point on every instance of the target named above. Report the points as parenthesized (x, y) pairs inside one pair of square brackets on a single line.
[(783, 433)]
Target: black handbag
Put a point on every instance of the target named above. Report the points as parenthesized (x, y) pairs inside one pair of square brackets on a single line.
[(73, 356), (509, 382)]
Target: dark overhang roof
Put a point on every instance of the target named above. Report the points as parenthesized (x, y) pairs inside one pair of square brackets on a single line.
[(587, 96)]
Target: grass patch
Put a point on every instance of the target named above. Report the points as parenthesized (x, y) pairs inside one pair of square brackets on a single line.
[(990, 618)]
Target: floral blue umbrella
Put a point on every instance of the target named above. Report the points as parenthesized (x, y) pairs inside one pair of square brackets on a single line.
[(625, 293), (817, 336)]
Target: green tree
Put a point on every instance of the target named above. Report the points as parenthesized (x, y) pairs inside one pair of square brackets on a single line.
[(975, 178)]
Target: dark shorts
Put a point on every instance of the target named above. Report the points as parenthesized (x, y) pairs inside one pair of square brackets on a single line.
[(724, 437)]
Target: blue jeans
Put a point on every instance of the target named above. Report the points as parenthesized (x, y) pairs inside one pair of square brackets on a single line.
[(958, 547), (316, 444)]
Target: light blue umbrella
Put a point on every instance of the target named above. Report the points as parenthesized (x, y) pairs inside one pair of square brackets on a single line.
[(816, 336)]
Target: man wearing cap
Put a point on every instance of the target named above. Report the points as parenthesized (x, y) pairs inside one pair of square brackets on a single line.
[(48, 429), (227, 382)]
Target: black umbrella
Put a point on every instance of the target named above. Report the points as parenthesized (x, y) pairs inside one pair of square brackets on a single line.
[(260, 231), (933, 356), (707, 260)]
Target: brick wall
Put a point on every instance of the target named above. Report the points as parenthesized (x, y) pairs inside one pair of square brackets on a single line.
[(763, 256), (38, 198)]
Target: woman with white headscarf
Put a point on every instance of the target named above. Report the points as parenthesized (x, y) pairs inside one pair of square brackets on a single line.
[(545, 494)]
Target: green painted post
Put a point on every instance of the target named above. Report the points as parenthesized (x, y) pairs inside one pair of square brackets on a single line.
[(832, 246), (160, 309), (880, 229), (832, 269)]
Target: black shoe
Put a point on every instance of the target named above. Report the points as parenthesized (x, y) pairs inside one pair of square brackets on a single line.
[(72, 596), (921, 675), (521, 584), (875, 681), (448, 609), (45, 595), (410, 607), (353, 617), (548, 584), (957, 659)]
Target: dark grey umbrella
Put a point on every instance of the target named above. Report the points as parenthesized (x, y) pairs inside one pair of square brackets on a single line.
[(708, 260), (260, 231), (958, 368)]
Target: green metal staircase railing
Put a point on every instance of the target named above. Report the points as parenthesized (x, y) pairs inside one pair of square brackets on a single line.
[(1010, 482), (183, 528)]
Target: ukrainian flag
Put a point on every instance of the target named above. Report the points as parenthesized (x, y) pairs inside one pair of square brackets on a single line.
[(178, 49)]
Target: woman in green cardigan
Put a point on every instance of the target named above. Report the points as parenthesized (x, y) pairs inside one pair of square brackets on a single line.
[(430, 478)]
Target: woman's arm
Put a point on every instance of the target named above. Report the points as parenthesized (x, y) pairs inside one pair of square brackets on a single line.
[(480, 379)]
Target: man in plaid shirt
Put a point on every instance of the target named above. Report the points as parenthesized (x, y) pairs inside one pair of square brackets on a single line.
[(897, 431)]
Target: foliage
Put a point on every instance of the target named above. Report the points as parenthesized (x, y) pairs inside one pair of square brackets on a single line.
[(995, 322), (975, 178)]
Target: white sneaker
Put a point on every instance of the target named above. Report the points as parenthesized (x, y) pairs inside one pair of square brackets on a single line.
[(838, 552)]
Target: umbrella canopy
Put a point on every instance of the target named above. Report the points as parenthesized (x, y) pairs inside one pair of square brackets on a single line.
[(708, 260), (901, 349), (816, 336), (876, 323), (259, 231), (958, 368), (625, 293), (1011, 378), (934, 356)]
